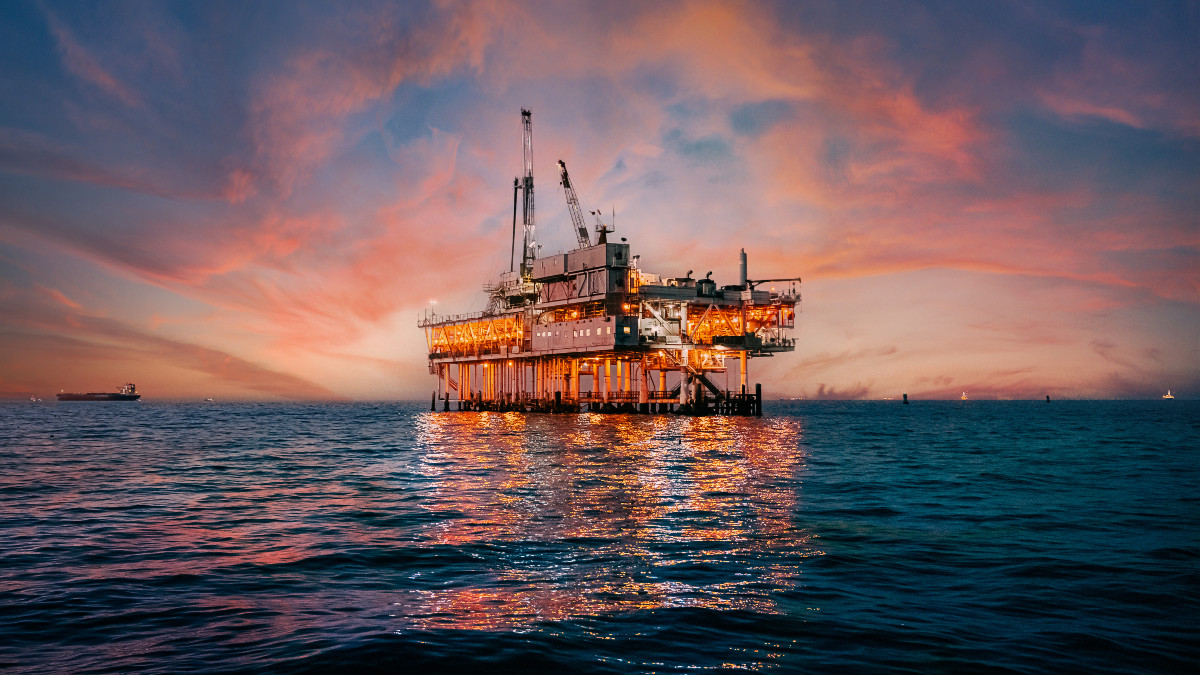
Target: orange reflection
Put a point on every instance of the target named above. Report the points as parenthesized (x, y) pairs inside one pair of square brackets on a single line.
[(646, 496)]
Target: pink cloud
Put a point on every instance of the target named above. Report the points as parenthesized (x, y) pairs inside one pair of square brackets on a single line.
[(306, 247), (65, 341), (297, 116), (60, 298), (79, 61), (1115, 82)]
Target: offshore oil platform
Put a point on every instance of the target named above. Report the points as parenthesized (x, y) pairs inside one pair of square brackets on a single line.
[(589, 330)]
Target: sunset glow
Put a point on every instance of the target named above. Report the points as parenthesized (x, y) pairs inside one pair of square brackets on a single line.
[(259, 202)]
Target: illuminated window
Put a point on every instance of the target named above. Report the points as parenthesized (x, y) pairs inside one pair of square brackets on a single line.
[(574, 333), (627, 330)]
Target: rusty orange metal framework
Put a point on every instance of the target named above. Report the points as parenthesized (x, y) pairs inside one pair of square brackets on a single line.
[(588, 329)]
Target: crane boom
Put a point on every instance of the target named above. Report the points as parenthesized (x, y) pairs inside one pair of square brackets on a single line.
[(581, 232)]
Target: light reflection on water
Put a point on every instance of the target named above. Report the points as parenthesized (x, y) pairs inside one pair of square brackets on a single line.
[(825, 536), (597, 514)]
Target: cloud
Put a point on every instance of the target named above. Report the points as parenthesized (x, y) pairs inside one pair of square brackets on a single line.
[(1112, 78), (297, 117), (82, 64), (349, 165), (1109, 352), (62, 338), (57, 296), (32, 154), (827, 361)]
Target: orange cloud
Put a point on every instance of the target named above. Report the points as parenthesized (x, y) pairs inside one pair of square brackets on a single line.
[(322, 222), (62, 343)]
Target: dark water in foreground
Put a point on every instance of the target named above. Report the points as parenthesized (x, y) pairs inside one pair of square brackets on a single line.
[(827, 537)]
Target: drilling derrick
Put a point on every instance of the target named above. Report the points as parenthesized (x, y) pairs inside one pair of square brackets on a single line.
[(529, 246), (588, 329)]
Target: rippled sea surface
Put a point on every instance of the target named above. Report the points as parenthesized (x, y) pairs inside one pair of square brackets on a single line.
[(825, 537)]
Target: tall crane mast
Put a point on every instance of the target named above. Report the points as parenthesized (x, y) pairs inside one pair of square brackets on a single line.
[(581, 232), (529, 245)]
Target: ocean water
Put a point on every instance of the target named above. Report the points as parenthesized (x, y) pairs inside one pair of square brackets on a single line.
[(823, 537)]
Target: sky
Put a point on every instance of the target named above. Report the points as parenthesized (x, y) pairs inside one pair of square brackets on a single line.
[(259, 200)]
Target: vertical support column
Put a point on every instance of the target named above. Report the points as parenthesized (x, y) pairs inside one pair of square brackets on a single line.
[(574, 387), (607, 381), (742, 358), (644, 389), (685, 378)]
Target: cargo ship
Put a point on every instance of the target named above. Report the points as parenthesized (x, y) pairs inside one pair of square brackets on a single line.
[(127, 392), (591, 330)]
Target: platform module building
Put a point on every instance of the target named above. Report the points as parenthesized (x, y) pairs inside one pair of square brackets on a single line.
[(590, 330)]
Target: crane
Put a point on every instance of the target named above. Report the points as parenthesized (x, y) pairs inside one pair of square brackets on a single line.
[(581, 232)]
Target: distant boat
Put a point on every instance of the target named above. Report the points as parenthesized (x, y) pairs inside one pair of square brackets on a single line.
[(964, 396), (1168, 394), (208, 400), (127, 392)]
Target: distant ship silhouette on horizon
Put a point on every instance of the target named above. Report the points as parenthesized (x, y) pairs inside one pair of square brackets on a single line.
[(127, 392)]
